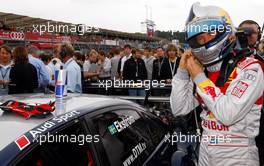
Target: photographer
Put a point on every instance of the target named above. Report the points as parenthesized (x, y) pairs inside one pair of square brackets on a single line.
[(231, 91), (249, 35), (253, 33), (252, 41)]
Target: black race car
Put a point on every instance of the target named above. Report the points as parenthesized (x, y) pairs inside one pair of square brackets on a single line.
[(84, 130)]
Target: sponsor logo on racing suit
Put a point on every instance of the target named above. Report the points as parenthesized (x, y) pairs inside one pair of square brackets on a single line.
[(207, 87), (211, 124), (239, 89)]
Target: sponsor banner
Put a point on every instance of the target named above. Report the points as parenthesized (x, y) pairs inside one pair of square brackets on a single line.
[(29, 36), (12, 35)]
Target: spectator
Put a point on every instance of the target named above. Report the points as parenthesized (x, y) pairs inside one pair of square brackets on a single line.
[(74, 84), (42, 72), (34, 51), (46, 58), (120, 61), (155, 55), (127, 55), (135, 69), (110, 54), (56, 63), (157, 63), (170, 64), (5, 66), (79, 58), (104, 65), (90, 67), (114, 64), (23, 75), (148, 59)]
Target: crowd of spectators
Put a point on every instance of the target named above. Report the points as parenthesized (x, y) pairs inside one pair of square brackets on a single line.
[(28, 69)]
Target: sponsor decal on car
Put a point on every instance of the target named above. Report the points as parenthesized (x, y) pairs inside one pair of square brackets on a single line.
[(53, 122), (22, 142), (136, 151), (119, 126), (112, 129)]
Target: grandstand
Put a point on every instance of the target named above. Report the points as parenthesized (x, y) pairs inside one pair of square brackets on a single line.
[(18, 29)]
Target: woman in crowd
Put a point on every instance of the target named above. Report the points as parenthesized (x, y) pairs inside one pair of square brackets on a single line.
[(170, 64), (23, 75)]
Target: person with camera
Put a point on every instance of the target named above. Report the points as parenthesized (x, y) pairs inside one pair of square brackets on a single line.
[(226, 83), (252, 33), (252, 40), (249, 36)]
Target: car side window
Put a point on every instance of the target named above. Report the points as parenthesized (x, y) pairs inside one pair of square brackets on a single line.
[(123, 142), (154, 127), (69, 150)]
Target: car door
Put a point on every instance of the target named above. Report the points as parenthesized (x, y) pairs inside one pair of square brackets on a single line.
[(125, 135), (120, 142), (160, 135)]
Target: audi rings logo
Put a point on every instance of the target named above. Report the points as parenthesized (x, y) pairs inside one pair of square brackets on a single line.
[(17, 35)]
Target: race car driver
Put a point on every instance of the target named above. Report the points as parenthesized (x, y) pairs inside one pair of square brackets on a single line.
[(231, 91)]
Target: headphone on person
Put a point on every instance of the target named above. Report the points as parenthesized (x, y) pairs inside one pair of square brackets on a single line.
[(252, 22)]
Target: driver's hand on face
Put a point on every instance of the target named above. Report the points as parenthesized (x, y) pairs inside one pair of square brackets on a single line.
[(189, 62), (184, 57)]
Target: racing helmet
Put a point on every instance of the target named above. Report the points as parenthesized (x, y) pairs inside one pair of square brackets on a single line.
[(214, 20)]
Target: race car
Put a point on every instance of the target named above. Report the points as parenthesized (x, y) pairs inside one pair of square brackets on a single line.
[(28, 110), (84, 130)]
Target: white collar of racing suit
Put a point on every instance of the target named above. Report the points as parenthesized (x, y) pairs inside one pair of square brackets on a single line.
[(215, 67)]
